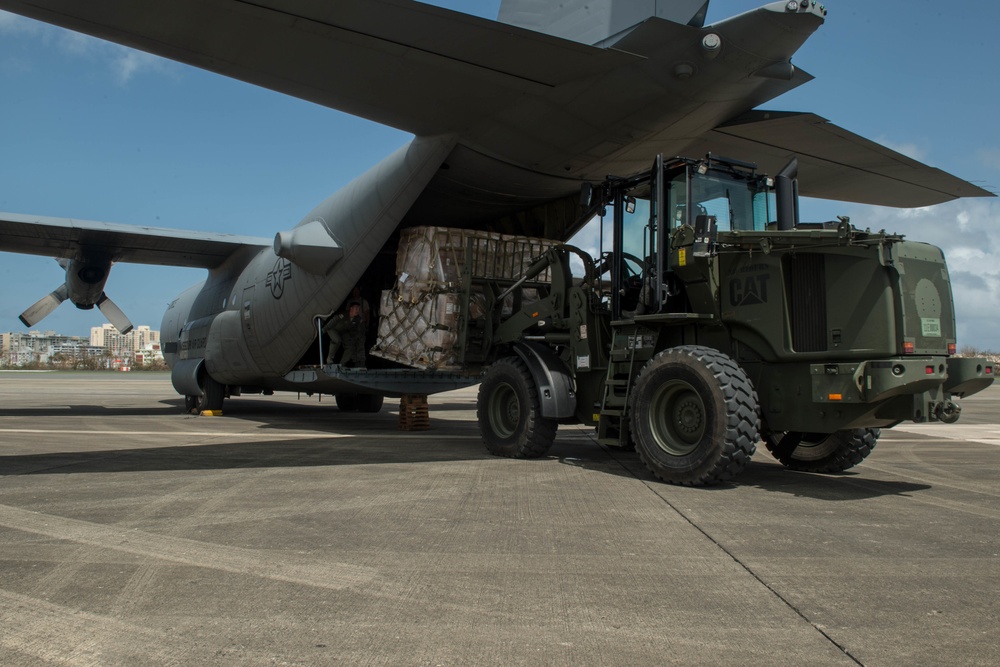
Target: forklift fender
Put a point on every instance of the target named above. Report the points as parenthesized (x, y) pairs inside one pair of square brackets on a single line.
[(186, 377), (552, 379)]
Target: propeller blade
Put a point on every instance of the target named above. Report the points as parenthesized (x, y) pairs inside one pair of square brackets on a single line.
[(114, 314), (44, 306)]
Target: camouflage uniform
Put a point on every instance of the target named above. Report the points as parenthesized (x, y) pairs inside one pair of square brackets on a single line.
[(347, 330)]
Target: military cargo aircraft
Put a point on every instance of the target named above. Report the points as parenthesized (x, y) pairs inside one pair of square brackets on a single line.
[(505, 134)]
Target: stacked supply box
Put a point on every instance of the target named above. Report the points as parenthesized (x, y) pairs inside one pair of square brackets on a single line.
[(420, 333), (419, 317)]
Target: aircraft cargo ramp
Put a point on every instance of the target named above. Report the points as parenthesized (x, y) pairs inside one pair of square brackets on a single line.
[(334, 379)]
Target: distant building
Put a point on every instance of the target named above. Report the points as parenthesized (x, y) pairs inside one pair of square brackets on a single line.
[(22, 349), (106, 348), (139, 346)]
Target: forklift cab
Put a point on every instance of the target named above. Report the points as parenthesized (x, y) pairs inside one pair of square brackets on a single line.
[(677, 201)]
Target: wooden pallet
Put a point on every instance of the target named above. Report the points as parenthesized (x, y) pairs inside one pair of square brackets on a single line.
[(413, 413)]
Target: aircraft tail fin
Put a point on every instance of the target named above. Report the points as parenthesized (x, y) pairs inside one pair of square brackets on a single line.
[(597, 22)]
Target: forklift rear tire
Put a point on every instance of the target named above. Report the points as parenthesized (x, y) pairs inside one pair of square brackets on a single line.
[(693, 416), (510, 412), (822, 452)]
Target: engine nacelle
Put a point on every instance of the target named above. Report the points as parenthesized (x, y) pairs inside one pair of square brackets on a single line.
[(85, 279)]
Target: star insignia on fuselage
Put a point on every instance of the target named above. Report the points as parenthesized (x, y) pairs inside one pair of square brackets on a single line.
[(276, 278)]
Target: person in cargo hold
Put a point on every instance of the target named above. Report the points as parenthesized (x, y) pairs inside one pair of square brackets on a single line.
[(347, 330), (366, 310)]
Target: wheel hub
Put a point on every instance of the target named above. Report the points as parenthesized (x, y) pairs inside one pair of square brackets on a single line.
[(677, 418), (513, 412), (689, 417), (505, 411)]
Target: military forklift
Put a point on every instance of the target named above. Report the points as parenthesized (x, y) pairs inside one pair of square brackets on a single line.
[(717, 320)]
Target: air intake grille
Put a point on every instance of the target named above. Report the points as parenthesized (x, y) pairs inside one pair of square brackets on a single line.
[(807, 298)]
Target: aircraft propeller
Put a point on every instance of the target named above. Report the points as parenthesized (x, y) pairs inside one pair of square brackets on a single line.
[(114, 314), (41, 309), (84, 287)]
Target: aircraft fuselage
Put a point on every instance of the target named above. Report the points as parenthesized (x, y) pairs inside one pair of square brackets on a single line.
[(255, 316)]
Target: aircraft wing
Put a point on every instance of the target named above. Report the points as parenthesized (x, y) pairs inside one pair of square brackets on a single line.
[(406, 64), (524, 98), (833, 162), (71, 239)]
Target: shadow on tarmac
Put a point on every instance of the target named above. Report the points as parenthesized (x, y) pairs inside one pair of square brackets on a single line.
[(338, 451), (423, 448), (310, 414), (764, 474), (343, 447), (88, 411)]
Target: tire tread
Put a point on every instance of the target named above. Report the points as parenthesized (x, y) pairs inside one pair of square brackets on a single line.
[(539, 433), (743, 423)]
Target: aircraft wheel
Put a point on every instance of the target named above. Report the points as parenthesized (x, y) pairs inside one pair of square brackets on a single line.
[(510, 412), (190, 404), (370, 402), (347, 402), (822, 452), (213, 395), (359, 402), (693, 416)]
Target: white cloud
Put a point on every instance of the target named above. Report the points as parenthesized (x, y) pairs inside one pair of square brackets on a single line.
[(12, 23), (129, 62), (911, 150), (121, 62), (587, 239), (990, 158), (124, 63)]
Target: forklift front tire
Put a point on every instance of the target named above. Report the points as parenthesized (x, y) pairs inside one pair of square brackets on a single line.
[(693, 416), (510, 413)]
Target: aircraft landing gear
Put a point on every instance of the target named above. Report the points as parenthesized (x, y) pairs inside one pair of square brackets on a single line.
[(359, 402), (212, 396)]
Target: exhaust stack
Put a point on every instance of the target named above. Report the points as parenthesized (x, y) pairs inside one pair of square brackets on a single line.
[(786, 185)]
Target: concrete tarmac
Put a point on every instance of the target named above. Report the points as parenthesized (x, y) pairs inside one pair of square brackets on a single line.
[(286, 532)]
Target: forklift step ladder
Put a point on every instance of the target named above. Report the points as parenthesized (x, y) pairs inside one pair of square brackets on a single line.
[(612, 427), (413, 413)]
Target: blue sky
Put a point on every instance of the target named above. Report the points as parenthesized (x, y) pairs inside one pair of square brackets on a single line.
[(94, 131)]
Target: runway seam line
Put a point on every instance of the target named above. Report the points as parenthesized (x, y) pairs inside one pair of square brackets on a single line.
[(739, 562)]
